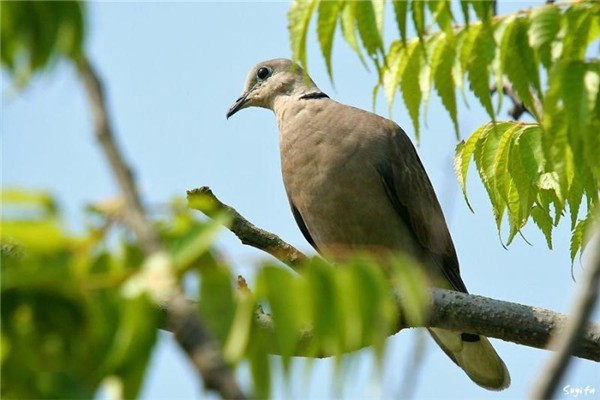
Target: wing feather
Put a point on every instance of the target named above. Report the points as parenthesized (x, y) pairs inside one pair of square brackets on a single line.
[(410, 191)]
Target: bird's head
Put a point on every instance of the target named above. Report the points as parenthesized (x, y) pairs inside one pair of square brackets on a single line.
[(270, 79)]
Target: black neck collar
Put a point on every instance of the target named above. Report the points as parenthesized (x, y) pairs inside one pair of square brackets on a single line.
[(313, 95)]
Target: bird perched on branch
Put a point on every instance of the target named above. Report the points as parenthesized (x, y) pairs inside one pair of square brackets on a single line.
[(355, 183)]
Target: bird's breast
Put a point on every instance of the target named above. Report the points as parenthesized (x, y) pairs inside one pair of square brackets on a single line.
[(331, 178)]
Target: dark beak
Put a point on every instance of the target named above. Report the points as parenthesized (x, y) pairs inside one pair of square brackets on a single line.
[(238, 105)]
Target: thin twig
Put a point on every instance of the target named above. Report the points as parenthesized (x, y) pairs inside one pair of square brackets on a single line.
[(518, 108), (566, 343), (525, 325), (183, 318), (247, 232)]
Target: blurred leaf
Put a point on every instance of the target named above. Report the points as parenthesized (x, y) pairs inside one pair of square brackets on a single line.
[(417, 9), (191, 246), (327, 21), (400, 11), (236, 345), (409, 280), (289, 307), (217, 302), (33, 34), (260, 367), (545, 24)]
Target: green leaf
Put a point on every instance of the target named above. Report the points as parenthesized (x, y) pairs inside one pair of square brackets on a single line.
[(418, 14), (284, 292), (411, 90), (396, 62), (503, 183), (349, 325), (577, 33), (478, 66), (523, 181), (321, 284), (496, 66), (400, 10), (499, 166), (485, 155), (522, 74), (217, 303), (379, 10), (260, 367), (442, 63), (299, 17), (462, 157), (197, 242), (458, 71), (28, 201), (531, 155), (240, 333), (483, 10), (410, 282), (36, 33), (542, 219), (574, 94), (426, 73), (349, 28), (327, 19), (544, 26), (464, 6), (134, 340), (442, 14), (576, 190), (367, 27), (580, 235), (371, 293)]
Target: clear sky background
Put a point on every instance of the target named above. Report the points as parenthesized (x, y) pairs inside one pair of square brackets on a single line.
[(171, 71)]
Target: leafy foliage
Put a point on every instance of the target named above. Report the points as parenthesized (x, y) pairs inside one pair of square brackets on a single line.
[(79, 309), (33, 33), (328, 310), (535, 171), (66, 324)]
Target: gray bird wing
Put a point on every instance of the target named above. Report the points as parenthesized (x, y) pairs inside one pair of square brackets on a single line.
[(410, 191), (302, 225)]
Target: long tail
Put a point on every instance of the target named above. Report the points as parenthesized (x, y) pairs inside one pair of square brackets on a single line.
[(476, 356)]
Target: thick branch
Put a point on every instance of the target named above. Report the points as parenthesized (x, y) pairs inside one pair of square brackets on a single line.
[(512, 322), (525, 325), (247, 232), (182, 317)]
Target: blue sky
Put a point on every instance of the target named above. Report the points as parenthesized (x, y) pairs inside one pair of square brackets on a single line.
[(171, 71)]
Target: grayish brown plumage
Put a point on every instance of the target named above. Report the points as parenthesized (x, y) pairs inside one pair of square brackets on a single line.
[(355, 183)]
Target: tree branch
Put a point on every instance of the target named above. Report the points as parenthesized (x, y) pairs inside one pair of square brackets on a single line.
[(182, 317), (518, 108), (247, 232), (520, 324), (512, 322), (567, 343)]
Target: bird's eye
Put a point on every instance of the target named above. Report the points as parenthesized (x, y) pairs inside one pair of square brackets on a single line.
[(262, 72)]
